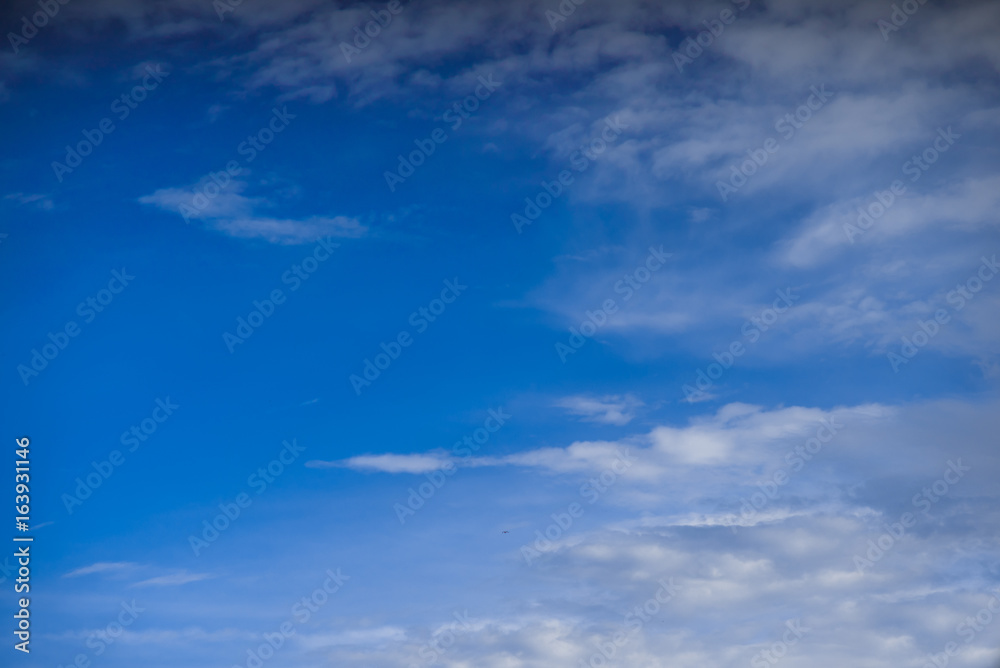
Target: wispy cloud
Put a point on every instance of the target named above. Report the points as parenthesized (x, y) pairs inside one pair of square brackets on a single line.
[(291, 231), (737, 435), (233, 213), (173, 579), (376, 636), (613, 409), (121, 568), (227, 203), (388, 463), (103, 567), (39, 201)]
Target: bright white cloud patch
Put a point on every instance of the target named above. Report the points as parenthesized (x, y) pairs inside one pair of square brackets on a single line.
[(387, 463), (611, 409)]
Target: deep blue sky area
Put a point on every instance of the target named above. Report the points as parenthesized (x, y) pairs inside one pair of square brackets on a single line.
[(601, 380)]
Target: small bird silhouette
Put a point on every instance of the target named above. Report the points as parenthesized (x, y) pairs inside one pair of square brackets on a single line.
[(504, 532)]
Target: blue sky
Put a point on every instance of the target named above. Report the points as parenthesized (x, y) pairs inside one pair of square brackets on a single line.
[(629, 341)]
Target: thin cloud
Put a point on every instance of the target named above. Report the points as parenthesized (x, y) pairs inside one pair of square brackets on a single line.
[(233, 213), (288, 232), (103, 567), (388, 463), (40, 201), (613, 409), (173, 579)]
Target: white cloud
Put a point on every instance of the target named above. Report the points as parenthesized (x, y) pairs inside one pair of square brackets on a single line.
[(387, 463), (968, 205), (376, 636), (228, 203), (103, 567), (120, 568), (291, 231), (736, 588), (233, 213), (738, 435), (143, 637), (173, 579), (40, 201), (613, 409)]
